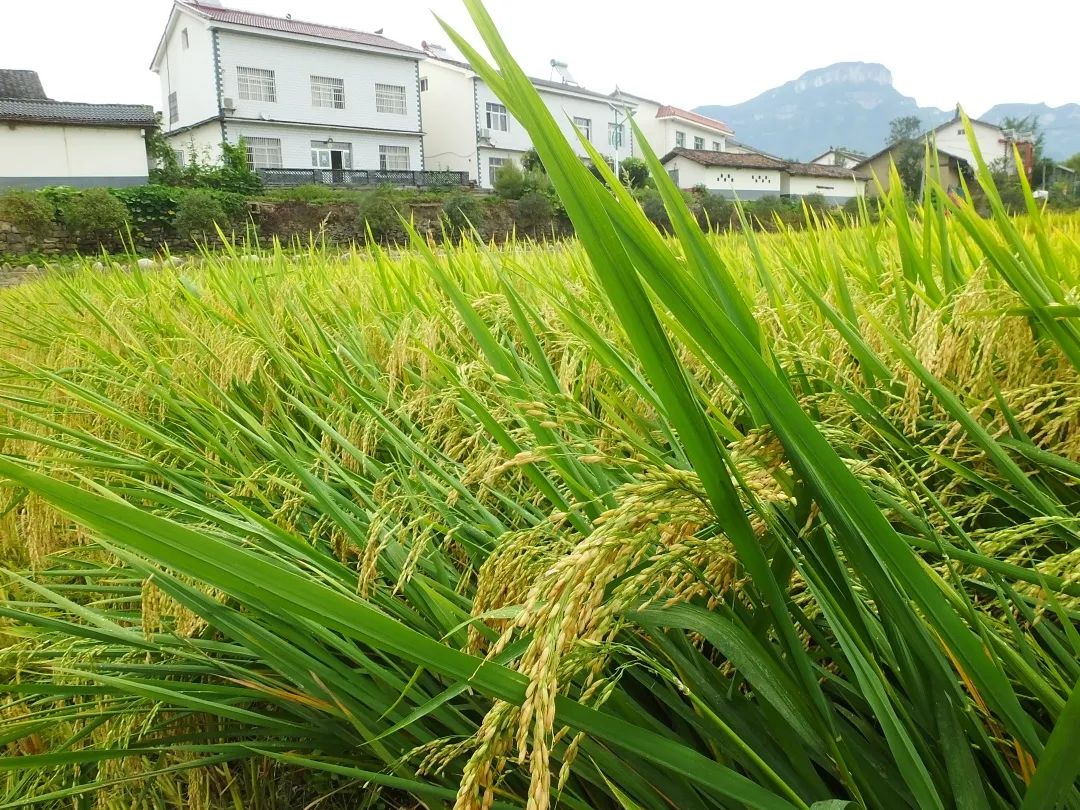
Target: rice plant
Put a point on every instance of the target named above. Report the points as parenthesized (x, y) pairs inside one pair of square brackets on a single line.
[(762, 520)]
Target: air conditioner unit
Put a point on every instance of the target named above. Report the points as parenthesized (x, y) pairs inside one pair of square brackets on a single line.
[(485, 134), (227, 105)]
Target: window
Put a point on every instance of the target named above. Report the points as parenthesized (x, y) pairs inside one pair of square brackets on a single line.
[(496, 117), (390, 98), (327, 92), (699, 143), (717, 146), (680, 139), (184, 39), (181, 157), (394, 158), (423, 84), (174, 109), (615, 134), (674, 175), (255, 84), (585, 125), (322, 155), (263, 153), (494, 164), (960, 131)]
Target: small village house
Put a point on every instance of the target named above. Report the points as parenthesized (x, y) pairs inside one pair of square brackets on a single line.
[(666, 127), (951, 154), (318, 99), (751, 176), (468, 128), (836, 156), (48, 143)]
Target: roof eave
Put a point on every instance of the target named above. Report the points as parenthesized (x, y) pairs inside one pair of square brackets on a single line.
[(405, 52)]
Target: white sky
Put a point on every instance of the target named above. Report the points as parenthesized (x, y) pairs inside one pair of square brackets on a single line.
[(692, 52)]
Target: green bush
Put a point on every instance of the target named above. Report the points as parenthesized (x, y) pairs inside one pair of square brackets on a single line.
[(461, 212), (534, 213), (509, 181), (96, 215), (634, 172), (199, 215), (653, 206), (380, 211), (30, 212), (714, 212), (151, 208), (530, 161)]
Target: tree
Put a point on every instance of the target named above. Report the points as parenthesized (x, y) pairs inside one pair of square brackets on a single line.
[(1073, 162), (907, 152), (635, 172), (904, 129)]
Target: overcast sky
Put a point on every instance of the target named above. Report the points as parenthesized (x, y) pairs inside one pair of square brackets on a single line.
[(687, 53)]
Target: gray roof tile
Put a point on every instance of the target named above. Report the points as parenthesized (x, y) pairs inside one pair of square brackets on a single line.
[(72, 112), (21, 84)]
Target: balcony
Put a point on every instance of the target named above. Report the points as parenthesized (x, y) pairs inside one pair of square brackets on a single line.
[(362, 178)]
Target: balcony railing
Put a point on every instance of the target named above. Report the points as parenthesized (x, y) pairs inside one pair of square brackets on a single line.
[(358, 178)]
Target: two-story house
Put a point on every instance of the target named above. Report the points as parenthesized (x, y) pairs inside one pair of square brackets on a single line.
[(300, 95), (666, 127), (470, 129)]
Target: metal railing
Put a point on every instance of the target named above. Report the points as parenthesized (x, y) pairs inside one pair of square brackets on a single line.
[(354, 178)]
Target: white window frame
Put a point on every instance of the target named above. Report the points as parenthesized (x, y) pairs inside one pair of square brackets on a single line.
[(496, 117), (699, 143), (320, 154), (680, 139), (390, 99), (494, 164), (327, 91), (256, 84), (717, 146), (585, 125), (394, 154), (263, 153), (616, 134), (174, 108)]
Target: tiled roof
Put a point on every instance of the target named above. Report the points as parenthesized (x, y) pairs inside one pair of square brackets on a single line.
[(667, 111), (288, 26), (544, 83), (734, 160), (71, 112), (818, 170), (21, 84)]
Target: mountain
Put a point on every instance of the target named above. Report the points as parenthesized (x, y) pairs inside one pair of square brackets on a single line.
[(850, 104), (1061, 125), (847, 104)]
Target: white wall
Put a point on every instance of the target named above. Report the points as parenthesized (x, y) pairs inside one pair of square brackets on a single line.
[(951, 138), (670, 126), (834, 189), (296, 143), (190, 73), (294, 63), (97, 155), (202, 143), (449, 113), (747, 184)]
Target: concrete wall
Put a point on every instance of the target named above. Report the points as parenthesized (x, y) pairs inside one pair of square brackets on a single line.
[(296, 143), (202, 143), (670, 127), (294, 63), (35, 155), (835, 189), (449, 108), (746, 184), (188, 72), (952, 138)]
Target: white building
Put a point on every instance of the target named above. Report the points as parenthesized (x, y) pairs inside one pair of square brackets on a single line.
[(469, 129), (835, 156), (59, 143), (301, 95), (666, 127), (951, 138), (751, 176)]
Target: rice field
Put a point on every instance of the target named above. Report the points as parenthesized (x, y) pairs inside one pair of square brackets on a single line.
[(780, 520)]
